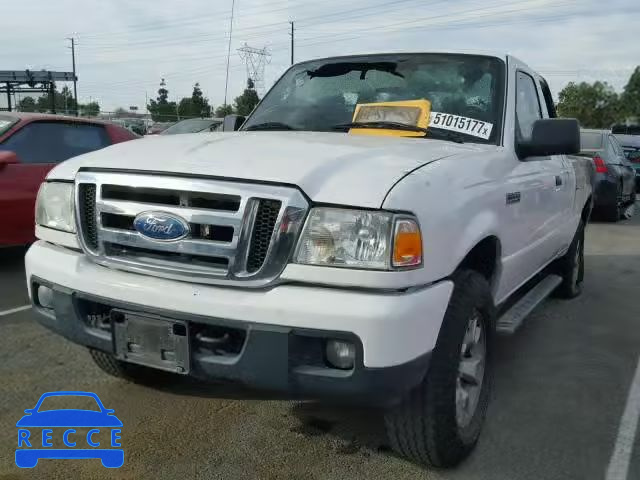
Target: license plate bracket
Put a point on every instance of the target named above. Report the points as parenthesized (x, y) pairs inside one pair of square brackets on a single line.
[(151, 341)]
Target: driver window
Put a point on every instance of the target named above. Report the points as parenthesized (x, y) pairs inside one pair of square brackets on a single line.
[(527, 105)]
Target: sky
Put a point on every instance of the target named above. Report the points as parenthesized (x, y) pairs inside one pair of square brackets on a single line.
[(125, 47)]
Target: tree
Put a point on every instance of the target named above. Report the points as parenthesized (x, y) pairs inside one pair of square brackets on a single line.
[(245, 103), (200, 104), (631, 96), (223, 111), (27, 104), (65, 101), (194, 106), (91, 109), (161, 109), (595, 105)]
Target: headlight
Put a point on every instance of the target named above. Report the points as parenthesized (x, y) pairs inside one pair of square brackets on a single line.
[(359, 239), (54, 206)]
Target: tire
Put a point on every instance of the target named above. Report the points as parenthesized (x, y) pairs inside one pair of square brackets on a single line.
[(426, 426), (108, 363), (571, 267), (613, 213)]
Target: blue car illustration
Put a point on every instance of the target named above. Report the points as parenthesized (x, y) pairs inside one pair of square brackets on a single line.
[(32, 448)]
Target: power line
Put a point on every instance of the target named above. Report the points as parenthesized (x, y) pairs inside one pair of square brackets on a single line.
[(344, 15)]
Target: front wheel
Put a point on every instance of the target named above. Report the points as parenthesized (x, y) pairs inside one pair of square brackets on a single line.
[(439, 422), (571, 267)]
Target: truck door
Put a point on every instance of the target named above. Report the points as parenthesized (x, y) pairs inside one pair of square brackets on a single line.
[(531, 190), (563, 215)]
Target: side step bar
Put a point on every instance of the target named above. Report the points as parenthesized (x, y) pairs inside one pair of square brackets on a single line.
[(513, 318)]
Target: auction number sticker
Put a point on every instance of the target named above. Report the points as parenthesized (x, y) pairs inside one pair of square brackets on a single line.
[(460, 124)]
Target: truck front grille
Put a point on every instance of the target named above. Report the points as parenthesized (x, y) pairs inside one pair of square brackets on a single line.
[(266, 218), (88, 219), (238, 233)]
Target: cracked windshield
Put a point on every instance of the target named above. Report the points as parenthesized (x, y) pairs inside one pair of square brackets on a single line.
[(286, 239)]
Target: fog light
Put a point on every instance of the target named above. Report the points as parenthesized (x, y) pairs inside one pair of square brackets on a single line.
[(45, 297), (341, 354)]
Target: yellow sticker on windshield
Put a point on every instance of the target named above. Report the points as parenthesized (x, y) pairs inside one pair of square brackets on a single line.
[(412, 113)]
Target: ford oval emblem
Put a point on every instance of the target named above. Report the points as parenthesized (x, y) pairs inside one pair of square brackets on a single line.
[(161, 226)]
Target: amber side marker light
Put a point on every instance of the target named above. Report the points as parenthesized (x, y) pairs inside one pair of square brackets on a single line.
[(407, 244)]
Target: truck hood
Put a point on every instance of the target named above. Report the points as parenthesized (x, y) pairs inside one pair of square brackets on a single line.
[(333, 168)]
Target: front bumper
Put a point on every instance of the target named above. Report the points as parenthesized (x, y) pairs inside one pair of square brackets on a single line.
[(283, 329)]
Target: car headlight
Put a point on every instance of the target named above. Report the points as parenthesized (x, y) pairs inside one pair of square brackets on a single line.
[(359, 239), (54, 206)]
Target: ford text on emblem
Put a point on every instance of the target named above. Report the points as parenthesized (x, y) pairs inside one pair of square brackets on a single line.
[(161, 226)]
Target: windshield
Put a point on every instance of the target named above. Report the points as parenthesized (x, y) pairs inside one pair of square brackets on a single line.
[(318, 95), (6, 122), (193, 125)]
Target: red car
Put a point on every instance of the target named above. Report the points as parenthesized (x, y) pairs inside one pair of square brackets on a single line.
[(30, 146)]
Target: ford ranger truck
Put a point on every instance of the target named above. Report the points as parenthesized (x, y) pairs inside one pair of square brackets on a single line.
[(364, 257)]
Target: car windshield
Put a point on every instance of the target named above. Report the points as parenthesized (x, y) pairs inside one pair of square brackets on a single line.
[(69, 402), (193, 125), (6, 122), (318, 95)]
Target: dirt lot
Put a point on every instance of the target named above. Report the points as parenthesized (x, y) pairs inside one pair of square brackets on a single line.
[(561, 386)]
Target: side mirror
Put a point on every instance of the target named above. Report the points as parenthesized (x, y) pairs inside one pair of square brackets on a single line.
[(551, 136), (232, 123), (8, 157)]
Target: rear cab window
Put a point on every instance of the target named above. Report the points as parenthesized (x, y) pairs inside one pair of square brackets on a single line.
[(55, 141)]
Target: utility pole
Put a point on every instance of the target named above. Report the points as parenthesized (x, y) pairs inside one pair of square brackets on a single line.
[(292, 40), (75, 78), (226, 83)]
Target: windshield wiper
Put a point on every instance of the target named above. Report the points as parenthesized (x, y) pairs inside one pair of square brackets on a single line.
[(269, 126), (445, 135), (382, 125)]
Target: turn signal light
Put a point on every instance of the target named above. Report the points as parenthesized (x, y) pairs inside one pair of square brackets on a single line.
[(407, 244)]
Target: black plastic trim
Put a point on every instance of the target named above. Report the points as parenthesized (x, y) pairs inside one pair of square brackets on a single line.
[(265, 361)]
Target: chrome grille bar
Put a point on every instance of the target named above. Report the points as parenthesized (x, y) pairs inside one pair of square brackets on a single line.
[(191, 215), (205, 257)]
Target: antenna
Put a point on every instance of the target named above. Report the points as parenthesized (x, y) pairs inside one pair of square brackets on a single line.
[(255, 59)]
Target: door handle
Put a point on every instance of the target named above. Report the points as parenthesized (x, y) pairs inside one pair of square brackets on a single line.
[(558, 181)]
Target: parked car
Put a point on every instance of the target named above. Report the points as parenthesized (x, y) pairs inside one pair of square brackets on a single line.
[(322, 252), (30, 146), (631, 146), (158, 127), (614, 191), (194, 125)]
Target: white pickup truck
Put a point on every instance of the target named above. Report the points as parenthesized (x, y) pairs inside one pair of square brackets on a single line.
[(364, 259)]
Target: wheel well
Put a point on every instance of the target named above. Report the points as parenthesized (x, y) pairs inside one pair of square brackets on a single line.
[(483, 258), (586, 211)]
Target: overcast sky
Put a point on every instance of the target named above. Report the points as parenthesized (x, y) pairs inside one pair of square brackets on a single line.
[(125, 47)]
